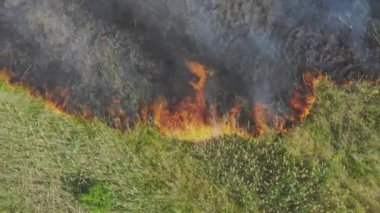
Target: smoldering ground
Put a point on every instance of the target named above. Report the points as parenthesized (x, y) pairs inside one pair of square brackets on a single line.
[(135, 51)]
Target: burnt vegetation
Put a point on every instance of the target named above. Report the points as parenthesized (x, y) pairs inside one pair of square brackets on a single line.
[(136, 51)]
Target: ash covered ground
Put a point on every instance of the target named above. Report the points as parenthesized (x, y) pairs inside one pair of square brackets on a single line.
[(136, 51)]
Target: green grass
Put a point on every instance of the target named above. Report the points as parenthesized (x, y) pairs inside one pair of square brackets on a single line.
[(55, 163)]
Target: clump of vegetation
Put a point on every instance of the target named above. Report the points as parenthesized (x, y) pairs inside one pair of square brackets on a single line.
[(92, 193), (329, 163), (97, 199), (78, 184), (263, 175)]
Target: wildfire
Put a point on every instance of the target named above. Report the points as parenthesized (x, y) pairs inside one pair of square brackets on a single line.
[(259, 113), (56, 101), (117, 115), (5, 75), (191, 119), (304, 100)]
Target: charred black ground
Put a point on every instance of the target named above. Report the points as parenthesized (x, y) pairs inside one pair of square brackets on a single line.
[(135, 51)]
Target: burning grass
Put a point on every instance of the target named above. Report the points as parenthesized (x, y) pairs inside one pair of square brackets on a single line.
[(55, 100), (330, 163), (193, 118)]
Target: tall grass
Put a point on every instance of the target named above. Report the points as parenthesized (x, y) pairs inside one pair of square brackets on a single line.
[(54, 163)]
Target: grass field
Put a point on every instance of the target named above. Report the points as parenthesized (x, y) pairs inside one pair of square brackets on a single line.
[(58, 163)]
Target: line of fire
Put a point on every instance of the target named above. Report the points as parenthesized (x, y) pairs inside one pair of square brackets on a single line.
[(195, 118)]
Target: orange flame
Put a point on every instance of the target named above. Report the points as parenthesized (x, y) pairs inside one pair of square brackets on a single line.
[(259, 117), (5, 75), (191, 119), (303, 101), (117, 115), (56, 101)]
